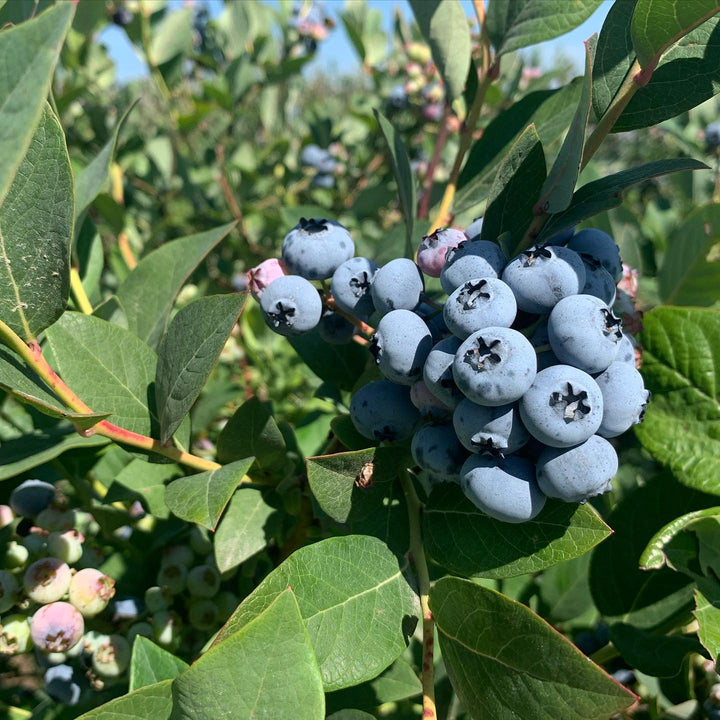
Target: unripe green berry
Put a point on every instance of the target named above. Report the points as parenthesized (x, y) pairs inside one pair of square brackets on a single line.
[(90, 591), (166, 628), (16, 555), (112, 656), (54, 520), (46, 580), (178, 554), (57, 658), (15, 637), (85, 523), (91, 640), (140, 628), (172, 576), (8, 590), (200, 541), (203, 615), (157, 598), (66, 545), (35, 542), (226, 602), (57, 627), (203, 581), (91, 557)]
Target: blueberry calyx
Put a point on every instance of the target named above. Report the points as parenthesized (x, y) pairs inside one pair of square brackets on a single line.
[(612, 324), (385, 433), (535, 253), (452, 252), (375, 349), (284, 313), (477, 357), (359, 284), (574, 404), (471, 293), (487, 446), (313, 225)]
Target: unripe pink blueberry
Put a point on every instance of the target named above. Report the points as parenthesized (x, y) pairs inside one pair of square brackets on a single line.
[(90, 591), (66, 545), (15, 635), (434, 247), (57, 627), (261, 276), (6, 515), (47, 580)]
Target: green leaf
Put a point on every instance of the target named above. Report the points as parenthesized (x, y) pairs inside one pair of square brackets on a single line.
[(149, 291), (465, 541), (657, 24), (40, 446), (202, 498), (151, 664), (152, 702), (498, 673), (614, 56), (90, 180), (357, 606), (172, 37), (690, 272), (551, 111), (688, 75), (445, 26), (513, 24), (338, 364), (36, 224), (404, 176), (188, 353), (245, 529), (28, 53), (557, 190), (654, 556), (681, 369), (565, 590), (143, 481), (621, 590), (514, 191), (251, 430), (604, 194), (265, 669), (362, 491), (107, 367), (657, 655), (708, 616), (350, 714)]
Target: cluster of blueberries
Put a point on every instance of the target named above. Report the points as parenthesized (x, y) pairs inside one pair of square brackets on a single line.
[(512, 387), (55, 601), (322, 162)]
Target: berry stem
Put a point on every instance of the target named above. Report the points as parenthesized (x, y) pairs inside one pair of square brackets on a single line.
[(363, 327), (78, 291), (417, 551)]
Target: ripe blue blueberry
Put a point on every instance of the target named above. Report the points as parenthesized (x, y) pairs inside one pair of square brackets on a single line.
[(397, 285), (400, 346), (474, 229), (127, 608), (31, 497), (563, 237), (577, 473), (563, 407), (434, 319), (318, 158), (503, 488), (433, 249), (323, 181), (382, 410), (470, 260), (335, 329), (626, 350), (598, 281), (540, 340), (62, 683), (494, 366), (291, 305), (624, 398), (584, 333), (350, 287), (477, 304), (428, 405), (489, 430), (436, 449), (438, 374), (543, 275), (602, 247), (315, 248), (712, 135)]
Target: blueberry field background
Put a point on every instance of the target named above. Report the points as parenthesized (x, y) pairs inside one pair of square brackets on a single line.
[(192, 524)]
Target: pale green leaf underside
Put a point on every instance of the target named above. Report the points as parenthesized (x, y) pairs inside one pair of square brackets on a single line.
[(708, 616)]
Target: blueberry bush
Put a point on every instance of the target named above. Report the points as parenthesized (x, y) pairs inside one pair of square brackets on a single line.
[(390, 395)]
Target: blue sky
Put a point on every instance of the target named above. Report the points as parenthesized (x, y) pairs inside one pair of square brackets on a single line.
[(336, 53)]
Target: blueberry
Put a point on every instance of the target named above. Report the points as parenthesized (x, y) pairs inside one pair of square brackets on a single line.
[(626, 350), (428, 405), (436, 449), (540, 340), (172, 576), (6, 516), (477, 304), (335, 329), (122, 17), (382, 410), (438, 375), (166, 628), (712, 135), (62, 684), (263, 274), (602, 247), (503, 488), (543, 275), (433, 317), (55, 519), (494, 366), (67, 546), (624, 676), (16, 557), (200, 541), (470, 260), (489, 430), (474, 229), (203, 615), (563, 237), (203, 581), (624, 398), (401, 345), (598, 281), (318, 158), (157, 598), (15, 635), (291, 305), (584, 333), (324, 181), (56, 627), (90, 591), (31, 497), (112, 656), (182, 554), (46, 580), (563, 407), (577, 473), (350, 287), (397, 285), (433, 249), (8, 590), (315, 248)]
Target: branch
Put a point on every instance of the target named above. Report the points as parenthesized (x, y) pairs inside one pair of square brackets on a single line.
[(430, 174), (79, 294)]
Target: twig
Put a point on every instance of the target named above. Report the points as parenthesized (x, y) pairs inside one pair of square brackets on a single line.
[(126, 251), (429, 179), (78, 291)]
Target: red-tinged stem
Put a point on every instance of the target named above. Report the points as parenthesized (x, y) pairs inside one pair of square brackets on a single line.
[(363, 327), (430, 174)]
